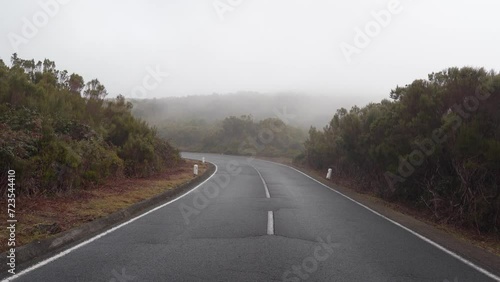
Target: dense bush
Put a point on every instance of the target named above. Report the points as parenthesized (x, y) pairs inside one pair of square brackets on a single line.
[(60, 133), (436, 146)]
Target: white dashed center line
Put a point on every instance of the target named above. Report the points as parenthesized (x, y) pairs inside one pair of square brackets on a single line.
[(270, 214), (270, 223)]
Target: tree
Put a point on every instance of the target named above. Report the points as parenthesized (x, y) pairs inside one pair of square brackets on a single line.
[(58, 141), (94, 90), (76, 84), (455, 176)]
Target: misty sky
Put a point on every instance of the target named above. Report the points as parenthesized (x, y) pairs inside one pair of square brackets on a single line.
[(256, 45)]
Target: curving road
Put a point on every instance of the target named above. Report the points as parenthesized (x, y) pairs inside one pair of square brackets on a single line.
[(257, 221)]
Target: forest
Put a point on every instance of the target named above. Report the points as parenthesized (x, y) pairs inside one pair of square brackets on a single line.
[(435, 146), (270, 137), (61, 133), (240, 124)]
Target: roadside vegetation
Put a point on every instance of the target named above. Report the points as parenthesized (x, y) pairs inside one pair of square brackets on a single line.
[(59, 133), (434, 146)]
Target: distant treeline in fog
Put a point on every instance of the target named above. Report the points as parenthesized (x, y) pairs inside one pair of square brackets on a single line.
[(241, 135), (276, 124), (270, 137), (300, 110), (435, 146)]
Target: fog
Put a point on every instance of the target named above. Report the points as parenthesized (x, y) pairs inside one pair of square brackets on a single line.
[(350, 50), (295, 109)]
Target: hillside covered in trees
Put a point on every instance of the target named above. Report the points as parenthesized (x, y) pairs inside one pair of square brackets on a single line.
[(239, 124), (59, 133), (295, 109), (243, 135), (435, 146)]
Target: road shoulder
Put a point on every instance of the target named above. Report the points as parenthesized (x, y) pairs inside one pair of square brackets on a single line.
[(450, 241), (39, 250)]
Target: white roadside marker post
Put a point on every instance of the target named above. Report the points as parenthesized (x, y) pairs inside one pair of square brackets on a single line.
[(203, 160), (329, 174), (195, 170)]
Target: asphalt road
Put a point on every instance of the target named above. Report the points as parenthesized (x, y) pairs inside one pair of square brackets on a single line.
[(235, 227)]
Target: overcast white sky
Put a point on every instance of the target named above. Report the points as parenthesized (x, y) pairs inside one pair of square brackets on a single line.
[(259, 45)]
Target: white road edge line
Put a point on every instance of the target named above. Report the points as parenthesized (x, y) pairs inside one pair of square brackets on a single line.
[(270, 223), (263, 182), (451, 253), (61, 254)]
